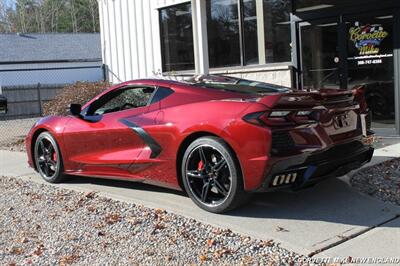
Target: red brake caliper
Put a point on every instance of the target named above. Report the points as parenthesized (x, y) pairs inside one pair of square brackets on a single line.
[(55, 157), (200, 166)]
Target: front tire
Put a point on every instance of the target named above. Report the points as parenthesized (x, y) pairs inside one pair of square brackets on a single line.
[(212, 176), (48, 158)]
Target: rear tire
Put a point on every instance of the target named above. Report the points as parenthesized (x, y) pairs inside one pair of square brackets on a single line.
[(47, 158), (212, 177)]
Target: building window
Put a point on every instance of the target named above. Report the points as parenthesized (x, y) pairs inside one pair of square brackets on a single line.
[(232, 36), (250, 39), (223, 33), (277, 30), (177, 38), (232, 27)]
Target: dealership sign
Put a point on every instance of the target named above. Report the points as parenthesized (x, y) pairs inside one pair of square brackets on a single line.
[(368, 38)]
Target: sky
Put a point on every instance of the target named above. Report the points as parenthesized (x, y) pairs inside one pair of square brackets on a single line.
[(9, 3)]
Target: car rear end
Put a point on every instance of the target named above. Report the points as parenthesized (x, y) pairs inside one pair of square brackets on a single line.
[(313, 136)]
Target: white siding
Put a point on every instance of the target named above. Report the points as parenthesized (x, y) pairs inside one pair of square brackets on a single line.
[(130, 37)]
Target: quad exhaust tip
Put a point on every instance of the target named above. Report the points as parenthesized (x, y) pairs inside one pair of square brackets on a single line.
[(284, 179)]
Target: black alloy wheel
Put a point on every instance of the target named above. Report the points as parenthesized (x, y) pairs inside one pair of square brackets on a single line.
[(48, 158), (211, 175)]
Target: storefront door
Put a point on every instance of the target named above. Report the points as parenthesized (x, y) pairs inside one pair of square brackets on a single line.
[(370, 63), (351, 51), (320, 55)]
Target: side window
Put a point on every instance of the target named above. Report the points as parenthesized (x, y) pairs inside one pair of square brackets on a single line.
[(122, 99), (161, 94)]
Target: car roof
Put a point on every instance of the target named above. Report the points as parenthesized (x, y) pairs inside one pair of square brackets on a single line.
[(216, 83)]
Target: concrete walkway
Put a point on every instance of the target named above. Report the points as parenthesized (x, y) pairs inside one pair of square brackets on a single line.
[(328, 220)]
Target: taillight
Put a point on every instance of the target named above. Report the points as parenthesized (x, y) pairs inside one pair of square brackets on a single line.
[(279, 113), (275, 118), (279, 118), (254, 118)]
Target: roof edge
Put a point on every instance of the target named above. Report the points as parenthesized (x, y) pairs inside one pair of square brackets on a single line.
[(50, 61)]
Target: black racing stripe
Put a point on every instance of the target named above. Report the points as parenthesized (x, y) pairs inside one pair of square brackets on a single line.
[(148, 140)]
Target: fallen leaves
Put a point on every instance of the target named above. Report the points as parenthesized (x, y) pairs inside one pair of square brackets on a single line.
[(210, 242), (36, 196), (369, 140), (71, 237), (80, 93), (68, 259), (87, 196), (98, 225), (216, 231), (16, 250), (203, 258), (23, 240), (281, 229), (90, 195), (380, 181), (133, 220), (157, 227), (39, 250), (159, 211), (268, 243), (91, 208), (221, 252), (87, 232), (113, 218), (69, 209)]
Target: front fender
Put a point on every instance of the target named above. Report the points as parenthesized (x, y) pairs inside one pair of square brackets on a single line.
[(53, 124)]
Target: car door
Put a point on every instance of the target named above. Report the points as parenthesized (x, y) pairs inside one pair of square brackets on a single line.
[(101, 143)]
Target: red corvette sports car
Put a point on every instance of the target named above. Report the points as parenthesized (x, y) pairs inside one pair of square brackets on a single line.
[(218, 139)]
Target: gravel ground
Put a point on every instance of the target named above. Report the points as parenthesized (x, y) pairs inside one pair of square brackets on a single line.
[(45, 225), (381, 181)]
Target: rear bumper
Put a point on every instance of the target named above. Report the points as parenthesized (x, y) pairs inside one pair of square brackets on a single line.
[(295, 172)]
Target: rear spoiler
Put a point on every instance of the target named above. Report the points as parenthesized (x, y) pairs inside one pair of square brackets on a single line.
[(303, 99)]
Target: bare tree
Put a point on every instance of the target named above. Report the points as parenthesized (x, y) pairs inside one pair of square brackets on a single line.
[(21, 8), (4, 23), (73, 16), (94, 11), (50, 16)]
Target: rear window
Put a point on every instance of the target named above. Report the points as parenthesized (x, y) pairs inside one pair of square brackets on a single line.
[(246, 87), (161, 94)]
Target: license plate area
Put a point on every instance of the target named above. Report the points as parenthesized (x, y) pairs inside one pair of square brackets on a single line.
[(342, 123)]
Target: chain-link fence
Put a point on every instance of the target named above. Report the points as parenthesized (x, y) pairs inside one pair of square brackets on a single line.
[(27, 100), (27, 91), (24, 108), (13, 132)]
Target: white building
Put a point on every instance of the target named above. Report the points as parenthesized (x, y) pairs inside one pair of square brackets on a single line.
[(307, 44), (143, 37)]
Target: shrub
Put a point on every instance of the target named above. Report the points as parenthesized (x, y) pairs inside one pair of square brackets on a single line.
[(80, 92)]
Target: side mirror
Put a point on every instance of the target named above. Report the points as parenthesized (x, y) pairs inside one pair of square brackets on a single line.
[(75, 109), (3, 105)]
